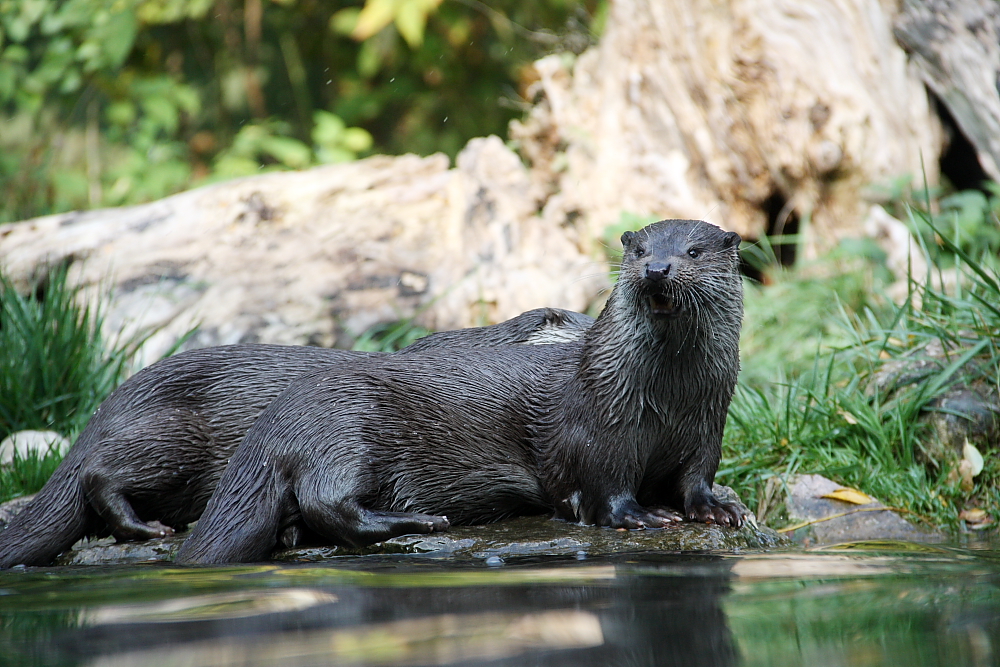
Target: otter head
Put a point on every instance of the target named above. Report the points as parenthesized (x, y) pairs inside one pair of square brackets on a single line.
[(678, 266)]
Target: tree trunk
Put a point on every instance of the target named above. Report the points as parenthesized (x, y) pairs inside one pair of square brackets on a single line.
[(753, 114), (955, 45)]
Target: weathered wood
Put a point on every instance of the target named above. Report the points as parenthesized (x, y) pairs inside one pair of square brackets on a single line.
[(725, 111), (321, 255), (955, 45)]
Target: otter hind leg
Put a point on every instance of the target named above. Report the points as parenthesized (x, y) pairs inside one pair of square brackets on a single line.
[(110, 503), (350, 524)]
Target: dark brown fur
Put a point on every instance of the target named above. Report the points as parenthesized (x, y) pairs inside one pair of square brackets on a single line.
[(153, 452), (600, 431)]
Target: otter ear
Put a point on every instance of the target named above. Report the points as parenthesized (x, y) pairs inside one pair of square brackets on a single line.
[(732, 239), (627, 238)]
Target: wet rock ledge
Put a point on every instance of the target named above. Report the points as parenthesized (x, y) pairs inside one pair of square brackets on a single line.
[(527, 536)]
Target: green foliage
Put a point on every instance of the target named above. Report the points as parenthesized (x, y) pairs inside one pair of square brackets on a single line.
[(971, 218), (25, 476), (389, 337), (798, 311), (56, 368), (112, 102), (627, 222), (833, 417)]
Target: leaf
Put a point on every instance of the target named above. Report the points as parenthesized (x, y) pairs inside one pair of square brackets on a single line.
[(345, 21), (375, 15), (290, 152), (411, 19), (972, 455), (974, 515), (357, 139), (849, 495), (328, 129)]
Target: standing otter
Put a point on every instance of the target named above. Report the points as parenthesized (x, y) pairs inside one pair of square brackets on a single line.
[(600, 431), (151, 455)]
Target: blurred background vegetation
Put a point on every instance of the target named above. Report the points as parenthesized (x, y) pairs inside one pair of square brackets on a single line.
[(114, 102)]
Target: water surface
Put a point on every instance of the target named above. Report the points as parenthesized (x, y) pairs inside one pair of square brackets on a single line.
[(861, 604)]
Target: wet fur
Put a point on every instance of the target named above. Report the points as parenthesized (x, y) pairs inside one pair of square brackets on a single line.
[(152, 454), (600, 431)]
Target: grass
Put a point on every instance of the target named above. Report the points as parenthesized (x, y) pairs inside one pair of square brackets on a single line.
[(26, 475), (55, 369), (390, 337), (842, 416)]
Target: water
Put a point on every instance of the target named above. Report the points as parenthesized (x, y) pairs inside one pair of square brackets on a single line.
[(862, 604)]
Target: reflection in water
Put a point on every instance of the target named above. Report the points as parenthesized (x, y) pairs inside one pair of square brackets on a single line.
[(239, 604), (436, 640), (935, 608)]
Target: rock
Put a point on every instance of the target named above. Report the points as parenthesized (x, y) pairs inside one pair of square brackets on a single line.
[(805, 503), (319, 256), (968, 411), (542, 536), (963, 414), (26, 443), (751, 114), (12, 507), (525, 536), (106, 551)]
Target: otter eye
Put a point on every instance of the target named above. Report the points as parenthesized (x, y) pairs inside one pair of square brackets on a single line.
[(693, 253), (639, 250)]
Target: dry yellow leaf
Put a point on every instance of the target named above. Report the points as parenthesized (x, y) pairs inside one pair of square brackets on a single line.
[(965, 473), (974, 515), (849, 495), (972, 455)]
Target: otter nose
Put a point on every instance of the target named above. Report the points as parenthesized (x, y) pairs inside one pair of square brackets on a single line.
[(657, 270)]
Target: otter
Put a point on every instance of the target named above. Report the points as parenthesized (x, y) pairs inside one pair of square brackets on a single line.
[(610, 430), (151, 455)]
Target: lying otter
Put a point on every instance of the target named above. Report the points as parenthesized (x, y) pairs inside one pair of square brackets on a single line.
[(601, 431), (151, 455)]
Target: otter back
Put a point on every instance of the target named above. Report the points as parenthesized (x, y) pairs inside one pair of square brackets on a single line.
[(154, 451)]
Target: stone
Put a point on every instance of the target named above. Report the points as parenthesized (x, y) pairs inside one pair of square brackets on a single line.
[(963, 414), (513, 538), (806, 504), (967, 411), (12, 507), (28, 443)]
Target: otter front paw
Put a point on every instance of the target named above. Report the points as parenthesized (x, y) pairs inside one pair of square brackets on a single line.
[(712, 510), (633, 516)]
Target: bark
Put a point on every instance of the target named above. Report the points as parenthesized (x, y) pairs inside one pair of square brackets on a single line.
[(748, 113), (319, 256), (955, 45)]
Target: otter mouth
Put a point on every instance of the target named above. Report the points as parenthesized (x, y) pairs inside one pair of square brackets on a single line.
[(664, 306)]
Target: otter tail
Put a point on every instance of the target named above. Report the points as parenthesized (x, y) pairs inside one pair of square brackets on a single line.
[(243, 517), (50, 524)]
